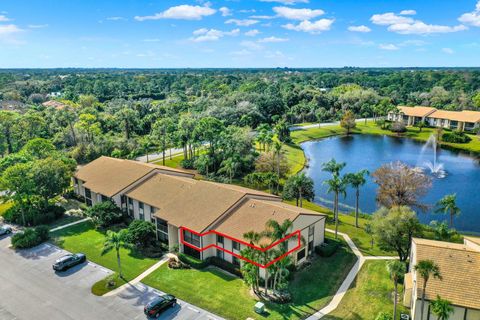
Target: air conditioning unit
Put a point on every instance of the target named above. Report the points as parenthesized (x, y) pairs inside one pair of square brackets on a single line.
[(259, 307), (404, 316)]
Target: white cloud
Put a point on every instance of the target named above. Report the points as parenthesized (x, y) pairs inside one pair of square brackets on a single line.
[(243, 22), (388, 46), (4, 18), (472, 18), (37, 26), (115, 18), (297, 14), (408, 12), (361, 28), (448, 50), (273, 39), (389, 18), (8, 30), (287, 2), (252, 33), (184, 12), (419, 27), (204, 34), (407, 25), (247, 11), (311, 27), (263, 17), (225, 11)]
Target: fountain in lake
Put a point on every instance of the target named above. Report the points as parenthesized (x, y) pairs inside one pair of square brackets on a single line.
[(434, 167)]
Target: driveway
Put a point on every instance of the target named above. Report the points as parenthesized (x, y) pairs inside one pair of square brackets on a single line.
[(30, 289)]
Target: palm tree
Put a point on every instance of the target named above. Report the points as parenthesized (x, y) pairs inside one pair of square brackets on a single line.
[(230, 166), (442, 308), (396, 269), (253, 237), (337, 186), (333, 167), (277, 146), (356, 180), (448, 204), (299, 186), (426, 269), (276, 231), (116, 240)]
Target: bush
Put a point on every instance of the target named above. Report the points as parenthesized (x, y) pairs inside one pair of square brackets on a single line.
[(187, 163), (230, 267), (105, 214), (141, 233), (383, 316), (30, 237), (177, 264), (33, 216), (328, 248), (456, 137), (193, 262), (398, 127)]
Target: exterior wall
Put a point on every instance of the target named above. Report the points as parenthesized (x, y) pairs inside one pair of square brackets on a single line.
[(471, 244), (459, 313)]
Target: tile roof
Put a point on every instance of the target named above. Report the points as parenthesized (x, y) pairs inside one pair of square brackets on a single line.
[(460, 270), (416, 111), (108, 176), (462, 116), (190, 203)]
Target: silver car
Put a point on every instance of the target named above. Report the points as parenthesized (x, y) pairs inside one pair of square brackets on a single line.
[(5, 230)]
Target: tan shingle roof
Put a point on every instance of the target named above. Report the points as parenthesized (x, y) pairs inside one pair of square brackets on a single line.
[(190, 203), (460, 270), (52, 103), (253, 214), (109, 176), (475, 240), (463, 116), (416, 111)]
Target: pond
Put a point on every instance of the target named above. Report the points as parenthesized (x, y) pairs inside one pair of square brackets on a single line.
[(371, 151)]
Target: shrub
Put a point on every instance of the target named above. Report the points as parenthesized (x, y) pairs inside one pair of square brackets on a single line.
[(328, 248), (187, 163), (230, 267), (30, 237), (193, 262), (177, 264), (456, 137), (398, 127), (33, 216), (105, 214), (383, 316), (141, 233)]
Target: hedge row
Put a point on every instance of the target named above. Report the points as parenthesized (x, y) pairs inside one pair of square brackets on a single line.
[(201, 264)]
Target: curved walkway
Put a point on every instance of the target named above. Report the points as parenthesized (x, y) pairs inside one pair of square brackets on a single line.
[(347, 282)]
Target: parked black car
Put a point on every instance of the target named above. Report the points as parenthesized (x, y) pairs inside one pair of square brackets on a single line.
[(155, 307), (5, 230), (68, 261)]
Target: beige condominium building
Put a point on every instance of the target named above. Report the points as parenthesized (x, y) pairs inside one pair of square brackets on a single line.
[(465, 120), (172, 199), (459, 266)]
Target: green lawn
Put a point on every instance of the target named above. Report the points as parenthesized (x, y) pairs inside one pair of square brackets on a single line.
[(370, 293), (4, 207), (228, 296), (173, 163), (84, 238)]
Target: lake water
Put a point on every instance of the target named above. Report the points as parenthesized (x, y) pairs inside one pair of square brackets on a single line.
[(371, 151)]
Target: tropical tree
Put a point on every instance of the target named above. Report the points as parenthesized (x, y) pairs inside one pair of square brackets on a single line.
[(116, 241), (162, 131), (299, 187), (442, 308), (250, 271), (276, 231), (442, 231), (333, 167), (396, 269), (357, 180), (426, 269), (348, 121), (336, 185), (448, 205)]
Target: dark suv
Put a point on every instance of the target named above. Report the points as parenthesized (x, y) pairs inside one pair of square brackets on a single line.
[(68, 261), (159, 304)]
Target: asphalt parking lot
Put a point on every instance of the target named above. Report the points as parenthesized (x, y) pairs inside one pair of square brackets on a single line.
[(30, 289)]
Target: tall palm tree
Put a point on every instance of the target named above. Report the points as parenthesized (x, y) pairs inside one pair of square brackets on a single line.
[(253, 237), (336, 185), (357, 180), (277, 147), (116, 240), (396, 269), (442, 308), (333, 167), (426, 269), (448, 205), (276, 231)]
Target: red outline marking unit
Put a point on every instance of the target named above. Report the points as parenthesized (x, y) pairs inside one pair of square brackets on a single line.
[(213, 245)]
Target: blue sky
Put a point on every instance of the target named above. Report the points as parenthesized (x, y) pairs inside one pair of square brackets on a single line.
[(239, 33)]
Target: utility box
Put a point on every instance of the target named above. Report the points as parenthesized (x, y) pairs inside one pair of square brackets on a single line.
[(259, 307), (404, 316)]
